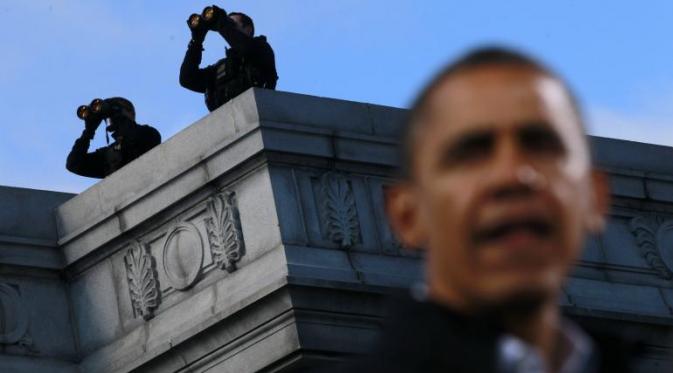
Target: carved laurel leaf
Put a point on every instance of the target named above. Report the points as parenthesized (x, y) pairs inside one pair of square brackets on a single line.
[(644, 230), (215, 240), (339, 210), (143, 284), (232, 234), (224, 231)]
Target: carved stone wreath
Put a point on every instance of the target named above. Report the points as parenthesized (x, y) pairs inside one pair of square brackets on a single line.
[(339, 212), (224, 231), (654, 236), (142, 279)]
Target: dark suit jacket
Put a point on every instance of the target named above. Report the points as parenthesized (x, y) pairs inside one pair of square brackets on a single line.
[(426, 337)]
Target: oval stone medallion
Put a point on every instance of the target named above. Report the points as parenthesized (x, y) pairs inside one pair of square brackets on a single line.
[(183, 256), (13, 318)]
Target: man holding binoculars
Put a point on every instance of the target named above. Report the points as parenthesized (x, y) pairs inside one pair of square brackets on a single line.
[(131, 139), (249, 62)]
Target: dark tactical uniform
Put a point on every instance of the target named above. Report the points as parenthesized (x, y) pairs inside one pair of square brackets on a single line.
[(249, 62), (108, 159)]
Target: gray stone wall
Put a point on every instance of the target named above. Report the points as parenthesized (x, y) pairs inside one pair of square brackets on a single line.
[(35, 331), (255, 240)]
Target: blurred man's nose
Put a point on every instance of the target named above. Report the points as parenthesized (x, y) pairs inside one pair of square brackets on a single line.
[(513, 173)]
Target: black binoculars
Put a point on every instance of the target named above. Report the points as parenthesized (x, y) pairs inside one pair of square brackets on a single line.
[(98, 107), (207, 18)]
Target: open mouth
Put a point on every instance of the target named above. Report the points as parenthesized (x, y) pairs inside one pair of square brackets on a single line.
[(535, 227)]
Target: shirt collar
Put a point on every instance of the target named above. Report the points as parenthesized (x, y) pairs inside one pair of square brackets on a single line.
[(517, 356)]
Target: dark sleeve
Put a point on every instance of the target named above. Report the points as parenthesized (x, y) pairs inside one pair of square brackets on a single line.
[(148, 138), (191, 76), (82, 163), (152, 139), (267, 63)]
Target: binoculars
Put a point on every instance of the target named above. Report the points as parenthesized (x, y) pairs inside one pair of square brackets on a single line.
[(207, 18), (98, 107)]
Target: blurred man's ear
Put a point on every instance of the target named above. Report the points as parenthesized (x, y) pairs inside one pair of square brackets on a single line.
[(600, 200), (403, 215)]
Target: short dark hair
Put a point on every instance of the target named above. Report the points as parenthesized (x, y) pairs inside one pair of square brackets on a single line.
[(479, 57), (245, 19)]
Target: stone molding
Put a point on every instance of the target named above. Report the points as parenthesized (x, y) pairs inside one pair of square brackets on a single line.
[(178, 249)]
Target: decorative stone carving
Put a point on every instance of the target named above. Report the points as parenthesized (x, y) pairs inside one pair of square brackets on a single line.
[(142, 279), (338, 210), (182, 256), (654, 237), (224, 231), (13, 317)]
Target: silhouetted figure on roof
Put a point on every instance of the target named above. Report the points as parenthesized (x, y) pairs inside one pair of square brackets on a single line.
[(249, 61), (131, 140)]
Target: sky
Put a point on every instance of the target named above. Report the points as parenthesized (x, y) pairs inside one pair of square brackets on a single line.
[(59, 54)]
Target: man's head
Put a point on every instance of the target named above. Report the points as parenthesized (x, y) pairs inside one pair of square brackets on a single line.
[(123, 116), (498, 186), (243, 22)]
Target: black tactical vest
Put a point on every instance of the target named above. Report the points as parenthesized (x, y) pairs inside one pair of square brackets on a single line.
[(233, 75)]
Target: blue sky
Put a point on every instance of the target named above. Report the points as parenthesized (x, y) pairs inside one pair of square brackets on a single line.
[(58, 54)]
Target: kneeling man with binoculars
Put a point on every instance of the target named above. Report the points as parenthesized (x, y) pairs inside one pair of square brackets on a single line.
[(131, 139)]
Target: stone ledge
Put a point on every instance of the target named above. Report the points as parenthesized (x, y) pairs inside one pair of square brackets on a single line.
[(10, 363), (219, 330), (30, 253), (632, 155)]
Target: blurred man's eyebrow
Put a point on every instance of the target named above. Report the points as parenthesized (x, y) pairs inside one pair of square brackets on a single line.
[(471, 136), (540, 133), (468, 144)]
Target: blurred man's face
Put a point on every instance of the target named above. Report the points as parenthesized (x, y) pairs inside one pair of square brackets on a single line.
[(501, 191)]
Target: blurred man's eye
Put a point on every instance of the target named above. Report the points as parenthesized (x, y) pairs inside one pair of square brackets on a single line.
[(541, 138), (470, 147)]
